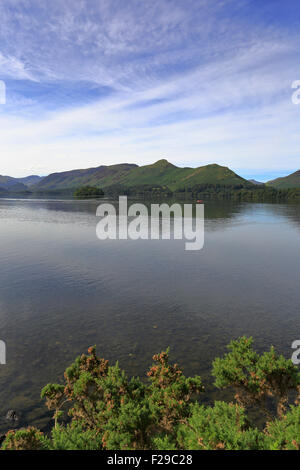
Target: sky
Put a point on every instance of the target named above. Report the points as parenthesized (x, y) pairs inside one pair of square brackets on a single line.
[(99, 82)]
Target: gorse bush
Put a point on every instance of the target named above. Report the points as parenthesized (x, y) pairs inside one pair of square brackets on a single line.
[(257, 377), (108, 411), (223, 426)]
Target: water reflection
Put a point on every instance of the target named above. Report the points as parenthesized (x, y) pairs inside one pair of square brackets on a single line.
[(61, 290)]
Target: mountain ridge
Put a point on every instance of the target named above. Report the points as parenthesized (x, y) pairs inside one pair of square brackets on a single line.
[(11, 184), (122, 176), (286, 182), (161, 173)]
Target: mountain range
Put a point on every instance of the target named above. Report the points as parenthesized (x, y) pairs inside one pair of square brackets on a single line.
[(8, 183), (160, 174)]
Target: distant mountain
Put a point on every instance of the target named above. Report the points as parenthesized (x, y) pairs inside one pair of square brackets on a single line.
[(7, 183), (290, 181), (30, 180), (161, 173), (256, 182), (10, 184)]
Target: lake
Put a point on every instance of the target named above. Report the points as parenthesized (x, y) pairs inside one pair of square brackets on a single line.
[(63, 290)]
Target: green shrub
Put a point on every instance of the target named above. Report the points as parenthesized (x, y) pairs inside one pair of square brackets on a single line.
[(108, 411), (256, 378), (26, 439), (221, 427), (284, 434)]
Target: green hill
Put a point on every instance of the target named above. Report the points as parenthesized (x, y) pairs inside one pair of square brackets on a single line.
[(164, 173), (159, 174), (211, 174), (101, 176), (9, 184), (30, 180), (290, 181)]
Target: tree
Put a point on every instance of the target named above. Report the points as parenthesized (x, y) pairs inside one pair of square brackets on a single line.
[(88, 192)]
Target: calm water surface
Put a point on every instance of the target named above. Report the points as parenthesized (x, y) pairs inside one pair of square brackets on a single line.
[(62, 290)]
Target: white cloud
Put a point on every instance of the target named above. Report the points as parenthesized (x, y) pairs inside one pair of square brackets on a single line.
[(11, 67), (189, 84)]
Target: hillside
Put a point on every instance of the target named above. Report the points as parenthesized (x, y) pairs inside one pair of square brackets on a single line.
[(161, 173), (101, 176), (259, 183), (211, 174), (10, 184), (290, 181), (30, 180)]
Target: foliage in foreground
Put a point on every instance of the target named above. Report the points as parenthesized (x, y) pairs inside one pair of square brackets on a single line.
[(108, 411)]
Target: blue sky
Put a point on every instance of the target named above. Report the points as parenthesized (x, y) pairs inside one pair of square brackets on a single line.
[(91, 82)]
